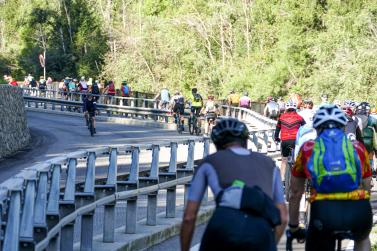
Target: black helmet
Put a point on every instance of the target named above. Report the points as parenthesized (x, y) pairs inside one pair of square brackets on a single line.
[(229, 130), (363, 108), (194, 90)]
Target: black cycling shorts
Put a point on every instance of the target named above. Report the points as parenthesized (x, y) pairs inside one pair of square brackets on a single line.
[(179, 108), (196, 110), (231, 229), (287, 146), (211, 115), (327, 216)]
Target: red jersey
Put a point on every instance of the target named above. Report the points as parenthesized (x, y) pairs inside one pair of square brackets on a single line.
[(13, 83), (288, 125), (300, 170)]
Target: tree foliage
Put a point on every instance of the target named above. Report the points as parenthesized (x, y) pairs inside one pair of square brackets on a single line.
[(265, 47)]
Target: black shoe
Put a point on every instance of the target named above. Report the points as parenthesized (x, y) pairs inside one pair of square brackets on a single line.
[(95, 130)]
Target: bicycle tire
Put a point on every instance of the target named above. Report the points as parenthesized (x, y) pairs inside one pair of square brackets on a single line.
[(191, 126), (91, 128), (287, 180)]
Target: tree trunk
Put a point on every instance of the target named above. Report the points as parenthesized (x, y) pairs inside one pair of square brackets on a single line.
[(222, 40), (68, 21), (247, 28)]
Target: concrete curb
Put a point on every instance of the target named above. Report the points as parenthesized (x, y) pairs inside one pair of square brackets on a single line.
[(125, 121), (148, 236)]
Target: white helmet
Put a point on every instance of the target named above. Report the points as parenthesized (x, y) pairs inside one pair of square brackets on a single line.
[(290, 105), (327, 113)]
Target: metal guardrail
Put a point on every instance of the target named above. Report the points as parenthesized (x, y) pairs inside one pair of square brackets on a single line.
[(101, 99), (37, 214)]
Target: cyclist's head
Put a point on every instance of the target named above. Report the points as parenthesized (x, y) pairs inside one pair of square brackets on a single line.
[(329, 116), (89, 96), (194, 90), (308, 104), (75, 80), (363, 108), (291, 105), (83, 78), (211, 97), (324, 97), (269, 99), (177, 92), (348, 111), (246, 93), (229, 131)]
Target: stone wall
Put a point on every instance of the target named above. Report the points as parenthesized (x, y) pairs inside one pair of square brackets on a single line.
[(14, 132)]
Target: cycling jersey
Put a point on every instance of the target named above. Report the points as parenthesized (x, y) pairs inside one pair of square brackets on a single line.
[(245, 102), (233, 99), (197, 100), (90, 106), (304, 134), (300, 169), (368, 126), (272, 110), (307, 115), (288, 125)]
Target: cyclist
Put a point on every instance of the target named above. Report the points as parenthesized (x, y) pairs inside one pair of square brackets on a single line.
[(245, 101), (287, 127), (177, 104), (368, 127), (196, 106), (352, 128), (211, 111), (271, 110), (90, 108), (339, 173), (234, 170), (233, 99), (306, 132)]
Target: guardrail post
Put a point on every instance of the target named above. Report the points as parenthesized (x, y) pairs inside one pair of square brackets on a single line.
[(191, 154), (86, 198), (52, 216), (40, 212), (263, 142), (67, 206), (45, 105), (131, 215), (26, 226), (12, 230), (109, 214), (152, 209)]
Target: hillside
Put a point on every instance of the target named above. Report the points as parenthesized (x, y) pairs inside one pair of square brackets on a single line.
[(265, 47)]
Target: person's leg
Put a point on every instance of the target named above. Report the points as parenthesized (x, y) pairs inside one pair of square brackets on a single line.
[(363, 245), (284, 159), (94, 123)]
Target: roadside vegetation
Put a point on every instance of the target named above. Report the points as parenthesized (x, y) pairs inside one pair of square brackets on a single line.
[(265, 47)]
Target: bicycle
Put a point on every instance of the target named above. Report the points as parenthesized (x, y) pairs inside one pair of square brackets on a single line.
[(288, 172), (194, 125), (179, 122), (90, 124)]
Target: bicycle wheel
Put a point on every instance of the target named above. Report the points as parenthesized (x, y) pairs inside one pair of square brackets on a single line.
[(179, 125), (191, 125), (91, 128), (287, 181), (198, 130)]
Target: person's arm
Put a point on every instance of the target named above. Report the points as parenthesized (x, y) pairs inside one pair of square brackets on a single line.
[(296, 191), (277, 130), (188, 224), (278, 197)]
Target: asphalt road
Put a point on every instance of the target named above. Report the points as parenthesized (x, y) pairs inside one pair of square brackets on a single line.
[(54, 135)]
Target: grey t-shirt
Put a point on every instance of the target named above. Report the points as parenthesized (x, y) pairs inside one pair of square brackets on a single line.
[(207, 176)]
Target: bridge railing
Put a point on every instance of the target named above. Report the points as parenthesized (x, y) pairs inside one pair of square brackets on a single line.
[(40, 205), (101, 99)]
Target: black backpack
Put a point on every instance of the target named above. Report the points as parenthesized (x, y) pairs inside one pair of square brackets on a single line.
[(95, 89)]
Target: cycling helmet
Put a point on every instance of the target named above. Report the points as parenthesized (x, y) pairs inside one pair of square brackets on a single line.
[(329, 116), (363, 108), (270, 99), (177, 92), (229, 130), (194, 90), (290, 105), (211, 97), (246, 93)]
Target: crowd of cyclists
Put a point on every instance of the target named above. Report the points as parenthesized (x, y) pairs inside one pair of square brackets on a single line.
[(333, 146)]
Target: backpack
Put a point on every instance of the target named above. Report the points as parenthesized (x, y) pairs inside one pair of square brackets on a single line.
[(334, 171), (95, 89), (125, 90)]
